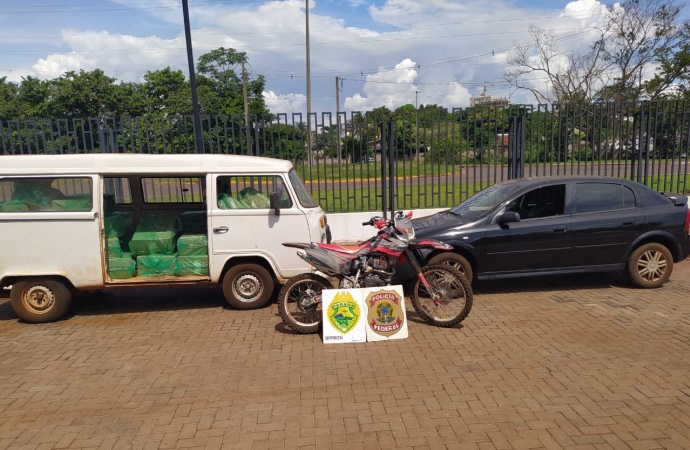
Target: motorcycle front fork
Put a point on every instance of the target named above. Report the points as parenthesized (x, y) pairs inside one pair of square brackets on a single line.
[(414, 262)]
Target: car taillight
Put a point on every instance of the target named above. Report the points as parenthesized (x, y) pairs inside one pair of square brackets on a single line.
[(687, 221)]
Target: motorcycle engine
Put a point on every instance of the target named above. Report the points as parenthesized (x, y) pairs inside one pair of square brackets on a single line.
[(372, 280)]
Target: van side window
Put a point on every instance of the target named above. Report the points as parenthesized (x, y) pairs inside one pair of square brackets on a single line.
[(117, 191), (173, 190), (247, 192), (46, 194)]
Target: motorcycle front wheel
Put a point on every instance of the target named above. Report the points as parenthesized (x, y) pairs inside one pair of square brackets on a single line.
[(299, 302), (448, 299)]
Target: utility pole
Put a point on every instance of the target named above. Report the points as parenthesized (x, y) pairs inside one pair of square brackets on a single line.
[(246, 110), (198, 137), (337, 114), (416, 123), (308, 90)]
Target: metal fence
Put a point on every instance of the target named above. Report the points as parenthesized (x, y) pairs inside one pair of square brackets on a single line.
[(433, 157)]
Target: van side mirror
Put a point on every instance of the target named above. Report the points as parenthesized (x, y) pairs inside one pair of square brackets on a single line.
[(275, 202), (508, 217)]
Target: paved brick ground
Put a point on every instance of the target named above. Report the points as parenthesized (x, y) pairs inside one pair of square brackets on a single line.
[(549, 363)]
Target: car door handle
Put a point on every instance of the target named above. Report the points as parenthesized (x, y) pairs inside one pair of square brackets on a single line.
[(629, 222), (220, 230), (560, 229)]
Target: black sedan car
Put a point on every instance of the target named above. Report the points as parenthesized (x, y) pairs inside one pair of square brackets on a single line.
[(559, 225)]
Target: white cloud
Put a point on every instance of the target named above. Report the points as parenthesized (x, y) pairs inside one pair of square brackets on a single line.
[(285, 103), (124, 57)]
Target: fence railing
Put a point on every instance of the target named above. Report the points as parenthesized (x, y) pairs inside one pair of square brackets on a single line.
[(439, 156)]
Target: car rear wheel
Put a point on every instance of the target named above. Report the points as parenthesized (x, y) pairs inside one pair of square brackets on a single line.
[(650, 266), (455, 261)]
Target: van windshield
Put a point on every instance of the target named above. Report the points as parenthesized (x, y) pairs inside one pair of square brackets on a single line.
[(303, 195)]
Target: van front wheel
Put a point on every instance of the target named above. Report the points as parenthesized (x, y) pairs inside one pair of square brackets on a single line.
[(39, 301), (247, 286)]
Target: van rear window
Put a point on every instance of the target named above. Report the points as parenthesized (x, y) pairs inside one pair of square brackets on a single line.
[(173, 190), (46, 194)]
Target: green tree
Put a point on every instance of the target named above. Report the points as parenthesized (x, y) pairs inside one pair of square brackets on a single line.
[(217, 73), (82, 95), (166, 91), (8, 100)]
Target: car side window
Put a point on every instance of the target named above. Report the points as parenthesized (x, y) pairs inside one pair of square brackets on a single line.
[(538, 203), (594, 197)]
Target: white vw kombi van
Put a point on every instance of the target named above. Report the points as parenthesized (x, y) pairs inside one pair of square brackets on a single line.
[(84, 223)]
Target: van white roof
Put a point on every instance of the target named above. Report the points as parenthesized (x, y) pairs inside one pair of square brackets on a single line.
[(137, 163)]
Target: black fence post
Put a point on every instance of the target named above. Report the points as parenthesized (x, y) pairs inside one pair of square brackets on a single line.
[(384, 153), (516, 148), (391, 166)]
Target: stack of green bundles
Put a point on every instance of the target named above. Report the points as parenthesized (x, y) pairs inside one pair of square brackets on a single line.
[(118, 225), (153, 244), (156, 265), (73, 203), (13, 206), (192, 255), (155, 235), (122, 268)]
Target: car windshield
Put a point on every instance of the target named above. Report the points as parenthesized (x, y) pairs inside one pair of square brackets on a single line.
[(483, 201), (303, 195)]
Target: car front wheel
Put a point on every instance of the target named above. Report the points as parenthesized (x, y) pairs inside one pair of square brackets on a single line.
[(455, 261), (650, 266)]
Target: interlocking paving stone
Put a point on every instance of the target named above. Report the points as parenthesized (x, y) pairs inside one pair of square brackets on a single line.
[(578, 362)]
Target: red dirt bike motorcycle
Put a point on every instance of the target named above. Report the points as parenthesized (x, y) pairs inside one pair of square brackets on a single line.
[(440, 294)]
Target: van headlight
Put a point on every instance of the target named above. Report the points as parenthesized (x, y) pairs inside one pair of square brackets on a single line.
[(323, 222)]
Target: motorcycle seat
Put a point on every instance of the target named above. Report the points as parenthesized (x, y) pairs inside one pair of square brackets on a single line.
[(350, 249)]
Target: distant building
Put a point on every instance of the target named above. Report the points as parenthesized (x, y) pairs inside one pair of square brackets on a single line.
[(488, 100)]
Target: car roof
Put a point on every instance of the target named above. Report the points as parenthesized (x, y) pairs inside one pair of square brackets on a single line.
[(535, 181)]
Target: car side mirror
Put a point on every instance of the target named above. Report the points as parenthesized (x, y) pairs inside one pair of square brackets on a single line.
[(275, 202), (508, 217)]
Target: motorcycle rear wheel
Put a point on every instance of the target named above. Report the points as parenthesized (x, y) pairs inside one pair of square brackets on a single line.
[(296, 302), (450, 299)]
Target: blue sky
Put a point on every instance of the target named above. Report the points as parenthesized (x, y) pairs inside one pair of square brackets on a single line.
[(386, 51)]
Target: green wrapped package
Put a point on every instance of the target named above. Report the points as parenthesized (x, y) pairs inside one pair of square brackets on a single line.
[(226, 201), (122, 268), (156, 265), (13, 206), (118, 224), (191, 266), (73, 203), (155, 235), (36, 193), (192, 245), (254, 199), (193, 222), (113, 248)]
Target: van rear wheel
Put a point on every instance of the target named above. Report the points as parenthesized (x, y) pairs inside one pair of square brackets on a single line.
[(247, 286), (40, 301)]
